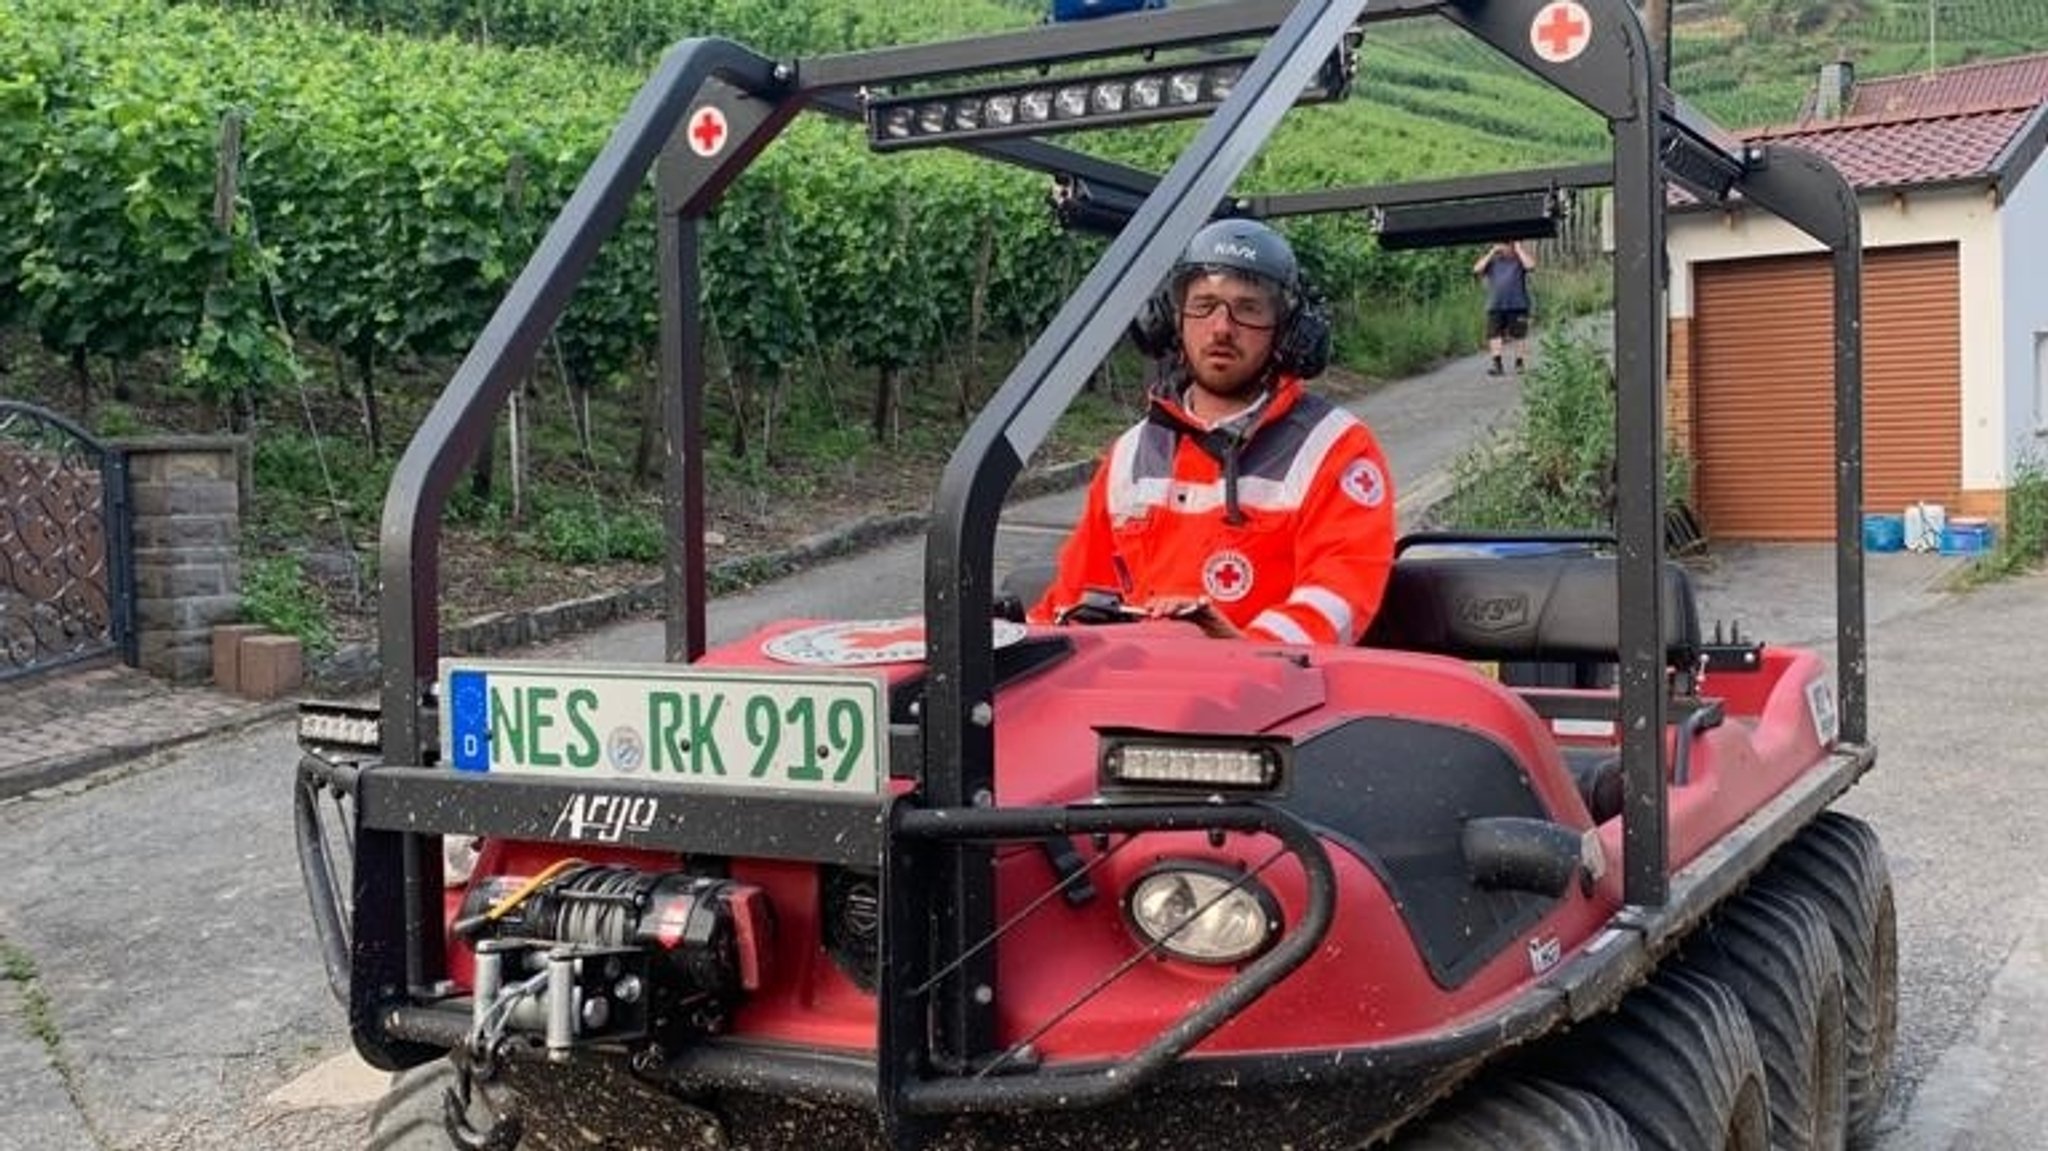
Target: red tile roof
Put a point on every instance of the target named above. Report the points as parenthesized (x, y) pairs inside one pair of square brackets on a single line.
[(2018, 82), (1894, 151), (1953, 125)]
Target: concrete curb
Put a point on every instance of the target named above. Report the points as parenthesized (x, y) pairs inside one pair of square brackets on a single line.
[(65, 774)]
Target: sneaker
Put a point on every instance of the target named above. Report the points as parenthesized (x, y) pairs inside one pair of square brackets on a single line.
[(1493, 369), (1518, 367)]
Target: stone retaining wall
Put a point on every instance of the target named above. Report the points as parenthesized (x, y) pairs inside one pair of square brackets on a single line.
[(186, 495)]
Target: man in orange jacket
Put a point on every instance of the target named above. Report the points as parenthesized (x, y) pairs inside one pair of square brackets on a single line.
[(1241, 502)]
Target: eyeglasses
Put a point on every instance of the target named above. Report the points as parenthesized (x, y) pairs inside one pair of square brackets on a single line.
[(1256, 312)]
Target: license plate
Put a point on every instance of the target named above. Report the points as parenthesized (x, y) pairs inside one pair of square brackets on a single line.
[(821, 735)]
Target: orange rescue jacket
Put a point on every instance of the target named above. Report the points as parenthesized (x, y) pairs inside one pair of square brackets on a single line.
[(1286, 526)]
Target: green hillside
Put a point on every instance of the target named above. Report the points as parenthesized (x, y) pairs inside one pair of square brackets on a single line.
[(1430, 100), (1749, 62)]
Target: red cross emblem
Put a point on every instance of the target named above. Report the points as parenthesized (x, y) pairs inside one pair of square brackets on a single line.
[(1560, 31), (867, 642), (707, 132), (1227, 577), (885, 637)]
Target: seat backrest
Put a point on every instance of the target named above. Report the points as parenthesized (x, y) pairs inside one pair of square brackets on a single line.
[(1559, 608)]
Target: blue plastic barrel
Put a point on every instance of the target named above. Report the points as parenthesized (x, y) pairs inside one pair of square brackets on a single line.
[(1883, 533)]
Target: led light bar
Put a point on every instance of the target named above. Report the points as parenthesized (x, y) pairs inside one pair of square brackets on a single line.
[(1707, 171), (354, 727), (1522, 216), (1180, 762), (1060, 104)]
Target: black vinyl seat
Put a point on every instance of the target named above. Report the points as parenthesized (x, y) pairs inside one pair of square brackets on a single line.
[(1543, 608)]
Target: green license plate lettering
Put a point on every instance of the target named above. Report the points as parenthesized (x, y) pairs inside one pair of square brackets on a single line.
[(764, 732), (712, 729), (847, 727)]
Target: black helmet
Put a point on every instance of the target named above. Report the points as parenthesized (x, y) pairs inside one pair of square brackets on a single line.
[(1247, 247)]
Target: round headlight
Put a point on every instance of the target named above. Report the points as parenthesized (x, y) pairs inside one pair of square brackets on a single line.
[(1202, 912)]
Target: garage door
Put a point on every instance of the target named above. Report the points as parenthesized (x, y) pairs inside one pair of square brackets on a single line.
[(1763, 399)]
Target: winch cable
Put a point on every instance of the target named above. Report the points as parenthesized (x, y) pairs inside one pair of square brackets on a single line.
[(1066, 882), (499, 910), (506, 1128), (489, 1031), (599, 905), (1150, 950)]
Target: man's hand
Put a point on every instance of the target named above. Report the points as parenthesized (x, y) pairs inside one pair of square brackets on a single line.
[(1196, 610)]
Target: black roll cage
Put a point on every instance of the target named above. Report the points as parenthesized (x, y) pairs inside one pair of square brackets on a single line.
[(937, 928)]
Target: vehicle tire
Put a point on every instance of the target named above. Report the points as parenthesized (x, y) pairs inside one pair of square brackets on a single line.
[(1526, 1114), (1838, 863), (1775, 952), (412, 1116), (1678, 1062)]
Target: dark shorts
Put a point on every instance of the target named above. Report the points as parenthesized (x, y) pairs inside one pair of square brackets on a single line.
[(1513, 325)]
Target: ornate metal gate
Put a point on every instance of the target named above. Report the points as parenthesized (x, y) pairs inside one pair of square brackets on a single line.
[(66, 566)]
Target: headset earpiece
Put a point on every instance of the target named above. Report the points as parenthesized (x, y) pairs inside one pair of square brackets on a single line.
[(1155, 330), (1302, 347)]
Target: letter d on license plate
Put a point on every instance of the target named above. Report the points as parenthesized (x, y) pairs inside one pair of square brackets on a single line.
[(819, 734)]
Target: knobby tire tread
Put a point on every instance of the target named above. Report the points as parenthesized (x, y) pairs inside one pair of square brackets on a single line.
[(1526, 1114), (410, 1116), (1838, 863), (1678, 1061), (1774, 950)]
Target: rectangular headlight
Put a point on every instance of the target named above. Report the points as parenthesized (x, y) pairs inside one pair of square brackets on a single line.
[(1194, 763)]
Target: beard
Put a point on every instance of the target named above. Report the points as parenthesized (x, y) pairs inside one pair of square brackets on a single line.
[(1224, 369)]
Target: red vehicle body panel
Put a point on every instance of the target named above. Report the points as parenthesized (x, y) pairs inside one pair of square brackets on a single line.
[(1369, 985)]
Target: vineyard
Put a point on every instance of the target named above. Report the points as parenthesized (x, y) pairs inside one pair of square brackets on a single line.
[(1751, 61), (293, 215)]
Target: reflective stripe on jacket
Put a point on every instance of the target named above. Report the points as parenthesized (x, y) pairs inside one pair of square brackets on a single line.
[(1287, 527)]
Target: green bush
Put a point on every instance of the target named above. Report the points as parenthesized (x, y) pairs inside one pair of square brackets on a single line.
[(587, 534), (2026, 511), (2024, 542), (1395, 336), (1557, 471), (276, 594), (302, 482)]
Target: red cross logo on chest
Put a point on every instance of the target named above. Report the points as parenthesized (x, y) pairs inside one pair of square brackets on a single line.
[(1560, 31), (1227, 576), (707, 132)]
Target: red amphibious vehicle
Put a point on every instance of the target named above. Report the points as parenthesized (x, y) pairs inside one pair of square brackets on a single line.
[(959, 881)]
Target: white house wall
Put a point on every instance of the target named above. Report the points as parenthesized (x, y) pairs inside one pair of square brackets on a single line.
[(1964, 217), (2024, 222)]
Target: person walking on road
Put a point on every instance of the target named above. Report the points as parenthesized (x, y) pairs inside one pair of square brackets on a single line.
[(1504, 269), (1241, 503)]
